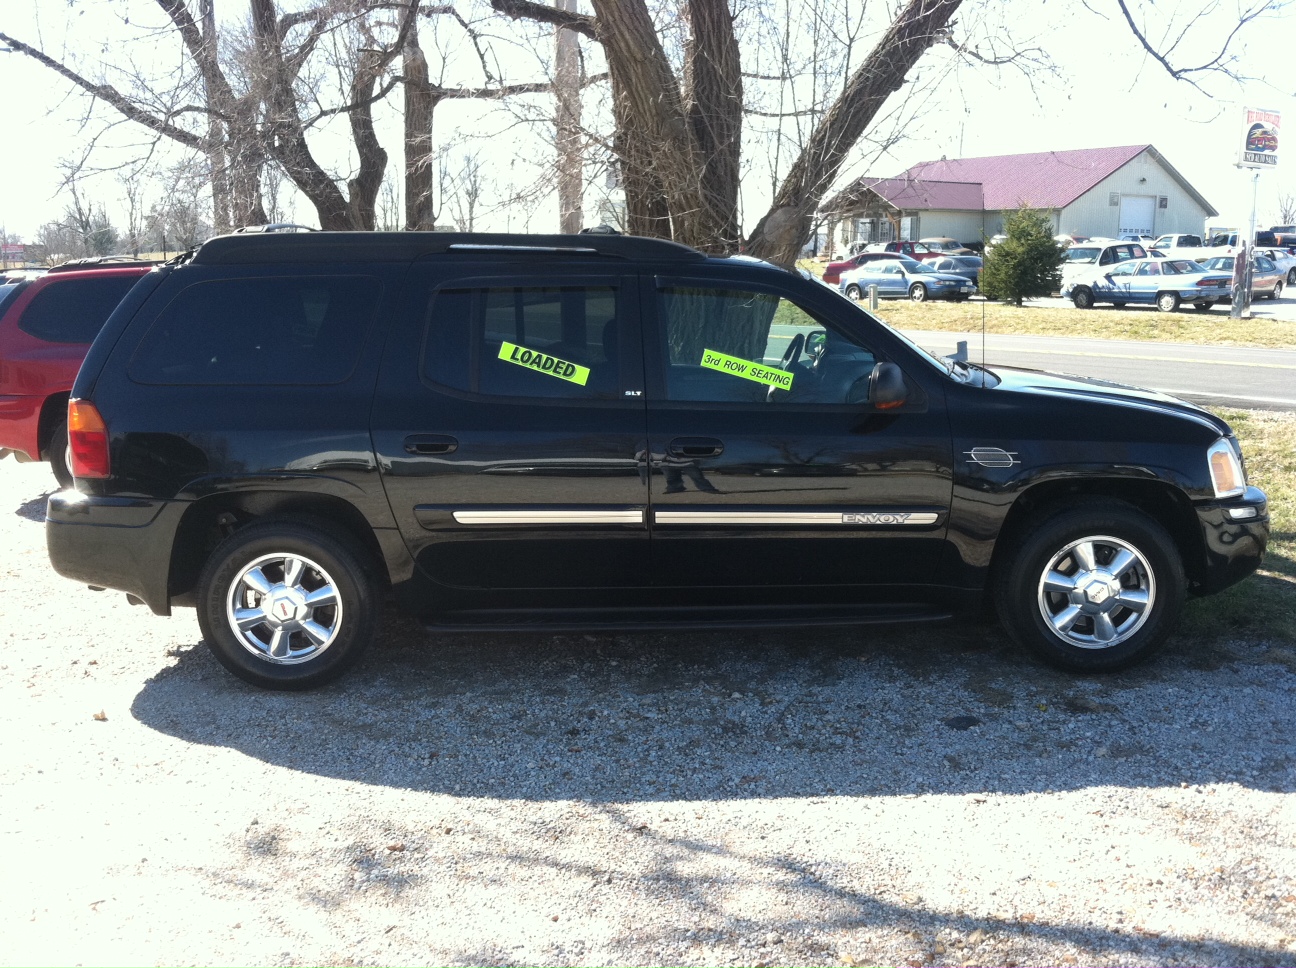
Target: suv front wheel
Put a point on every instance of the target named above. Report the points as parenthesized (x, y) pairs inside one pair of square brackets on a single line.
[(1093, 589), (284, 605)]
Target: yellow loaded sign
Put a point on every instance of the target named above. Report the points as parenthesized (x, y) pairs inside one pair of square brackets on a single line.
[(759, 372), (543, 363)]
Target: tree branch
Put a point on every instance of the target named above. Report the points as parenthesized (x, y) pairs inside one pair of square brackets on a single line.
[(112, 96), (583, 24)]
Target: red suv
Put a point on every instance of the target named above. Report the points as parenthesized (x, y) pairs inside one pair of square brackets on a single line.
[(47, 323)]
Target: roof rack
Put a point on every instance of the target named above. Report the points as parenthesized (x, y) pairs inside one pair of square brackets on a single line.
[(110, 261), (408, 246)]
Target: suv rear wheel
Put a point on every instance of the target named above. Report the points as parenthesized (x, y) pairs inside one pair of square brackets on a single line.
[(284, 605), (59, 457), (1093, 589)]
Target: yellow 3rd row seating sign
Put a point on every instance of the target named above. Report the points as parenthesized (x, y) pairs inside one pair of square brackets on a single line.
[(759, 372)]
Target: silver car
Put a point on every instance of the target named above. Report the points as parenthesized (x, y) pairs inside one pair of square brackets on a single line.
[(1164, 283), (1266, 276), (905, 277)]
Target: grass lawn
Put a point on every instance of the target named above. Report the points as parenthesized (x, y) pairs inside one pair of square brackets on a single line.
[(1213, 327)]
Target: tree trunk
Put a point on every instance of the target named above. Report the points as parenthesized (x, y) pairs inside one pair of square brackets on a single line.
[(714, 93), (420, 165), (568, 101), (785, 228)]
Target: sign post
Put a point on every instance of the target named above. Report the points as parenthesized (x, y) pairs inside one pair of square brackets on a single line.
[(1258, 150)]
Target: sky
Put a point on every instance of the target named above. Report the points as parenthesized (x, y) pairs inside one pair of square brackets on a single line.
[(1105, 91)]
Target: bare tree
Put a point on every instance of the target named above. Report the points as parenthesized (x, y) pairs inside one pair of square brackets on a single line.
[(1287, 208), (678, 119)]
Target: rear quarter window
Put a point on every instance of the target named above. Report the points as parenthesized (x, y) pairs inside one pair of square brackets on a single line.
[(285, 330), (74, 310)]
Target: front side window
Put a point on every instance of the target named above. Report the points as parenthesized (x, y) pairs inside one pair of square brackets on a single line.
[(284, 330), (548, 341), (734, 346)]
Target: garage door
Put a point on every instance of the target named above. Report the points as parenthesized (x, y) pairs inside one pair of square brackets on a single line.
[(1136, 214)]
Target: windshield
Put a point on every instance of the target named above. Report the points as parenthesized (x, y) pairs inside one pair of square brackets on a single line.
[(1082, 254), (918, 267)]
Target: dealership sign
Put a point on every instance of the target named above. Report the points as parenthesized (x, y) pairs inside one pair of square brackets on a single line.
[(1259, 142)]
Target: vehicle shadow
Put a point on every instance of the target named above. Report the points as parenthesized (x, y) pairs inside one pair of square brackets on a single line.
[(651, 717), (34, 510)]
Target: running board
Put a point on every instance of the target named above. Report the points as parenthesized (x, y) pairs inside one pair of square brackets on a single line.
[(663, 618)]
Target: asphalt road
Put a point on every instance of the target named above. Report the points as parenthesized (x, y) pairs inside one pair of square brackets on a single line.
[(1215, 375)]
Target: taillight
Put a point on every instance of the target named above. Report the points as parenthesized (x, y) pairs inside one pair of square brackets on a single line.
[(87, 440)]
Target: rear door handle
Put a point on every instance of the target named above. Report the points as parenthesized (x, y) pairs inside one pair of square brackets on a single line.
[(426, 445), (695, 447)]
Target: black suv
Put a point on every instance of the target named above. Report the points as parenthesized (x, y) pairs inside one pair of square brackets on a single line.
[(523, 432)]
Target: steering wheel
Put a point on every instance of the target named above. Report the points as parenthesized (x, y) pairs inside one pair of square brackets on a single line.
[(790, 357)]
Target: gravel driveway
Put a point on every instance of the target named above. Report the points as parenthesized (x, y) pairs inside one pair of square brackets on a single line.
[(884, 796)]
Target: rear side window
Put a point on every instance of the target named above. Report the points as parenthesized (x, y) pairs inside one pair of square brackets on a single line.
[(288, 330), (74, 310), (553, 342)]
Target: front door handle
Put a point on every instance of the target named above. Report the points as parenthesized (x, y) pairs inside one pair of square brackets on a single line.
[(694, 447), (427, 445)]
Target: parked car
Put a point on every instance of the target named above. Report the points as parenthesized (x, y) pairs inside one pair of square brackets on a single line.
[(1284, 260), (47, 322), (968, 266), (914, 250), (1080, 261), (284, 429), (1226, 243), (1164, 283), (1144, 239), (1070, 238), (1266, 278), (833, 271), (901, 278), (1178, 244), (945, 246)]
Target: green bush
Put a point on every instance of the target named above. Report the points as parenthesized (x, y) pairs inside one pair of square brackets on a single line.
[(1027, 263)]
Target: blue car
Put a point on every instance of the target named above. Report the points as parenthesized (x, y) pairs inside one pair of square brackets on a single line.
[(1164, 283), (905, 278)]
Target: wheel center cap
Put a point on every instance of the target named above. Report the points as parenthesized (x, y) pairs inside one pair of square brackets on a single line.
[(1099, 591), (284, 606)]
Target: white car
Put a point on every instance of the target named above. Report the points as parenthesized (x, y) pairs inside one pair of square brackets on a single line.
[(1181, 245), (1080, 260)]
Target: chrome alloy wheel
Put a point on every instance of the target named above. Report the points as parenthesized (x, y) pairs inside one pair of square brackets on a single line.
[(1096, 592), (284, 609)]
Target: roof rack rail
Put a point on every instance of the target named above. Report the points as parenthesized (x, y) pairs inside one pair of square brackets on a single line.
[(113, 261), (408, 246)]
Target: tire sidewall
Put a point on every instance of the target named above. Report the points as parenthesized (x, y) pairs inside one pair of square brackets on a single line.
[(1167, 302), (1082, 299), (918, 292), (1018, 602), (344, 564), (58, 455)]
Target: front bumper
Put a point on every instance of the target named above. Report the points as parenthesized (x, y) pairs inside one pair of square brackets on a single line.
[(113, 542), (1234, 534)]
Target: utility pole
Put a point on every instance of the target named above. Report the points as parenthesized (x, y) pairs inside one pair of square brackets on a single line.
[(568, 137)]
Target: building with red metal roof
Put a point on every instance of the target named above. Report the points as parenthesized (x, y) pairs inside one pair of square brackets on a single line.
[(1111, 192)]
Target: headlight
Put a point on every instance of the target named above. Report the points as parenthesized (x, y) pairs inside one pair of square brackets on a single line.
[(1225, 469)]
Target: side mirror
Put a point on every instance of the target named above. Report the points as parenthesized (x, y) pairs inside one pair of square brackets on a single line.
[(887, 388)]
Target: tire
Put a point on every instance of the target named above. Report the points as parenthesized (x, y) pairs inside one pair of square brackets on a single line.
[(59, 455), (1118, 305), (1291, 276), (1204, 304), (1082, 298), (321, 640), (1036, 609), (853, 292), (1277, 290), (1167, 302), (918, 292)]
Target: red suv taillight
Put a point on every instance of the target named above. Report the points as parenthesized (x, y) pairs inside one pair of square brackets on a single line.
[(87, 440)]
